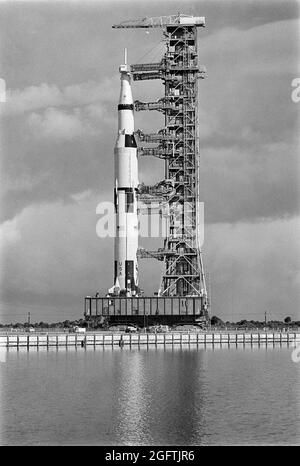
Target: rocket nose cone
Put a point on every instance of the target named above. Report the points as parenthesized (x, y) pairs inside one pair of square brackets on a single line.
[(125, 93)]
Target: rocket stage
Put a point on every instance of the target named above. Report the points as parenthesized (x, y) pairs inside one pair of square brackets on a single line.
[(145, 310)]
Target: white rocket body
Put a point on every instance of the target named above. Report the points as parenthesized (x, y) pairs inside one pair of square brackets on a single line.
[(126, 183)]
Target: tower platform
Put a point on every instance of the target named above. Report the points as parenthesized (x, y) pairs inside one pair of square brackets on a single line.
[(146, 310)]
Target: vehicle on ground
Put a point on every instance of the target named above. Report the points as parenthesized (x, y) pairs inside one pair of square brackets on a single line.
[(78, 329), (162, 328), (130, 329)]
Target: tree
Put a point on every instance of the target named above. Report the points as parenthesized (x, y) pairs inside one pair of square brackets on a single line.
[(287, 320), (216, 321), (243, 322)]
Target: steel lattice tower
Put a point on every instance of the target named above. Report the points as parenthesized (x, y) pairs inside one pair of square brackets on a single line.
[(178, 145)]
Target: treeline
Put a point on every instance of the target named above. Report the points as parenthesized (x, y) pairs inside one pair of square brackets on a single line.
[(287, 322), (63, 324), (214, 321)]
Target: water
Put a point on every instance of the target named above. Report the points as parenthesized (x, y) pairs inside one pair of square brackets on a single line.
[(163, 396)]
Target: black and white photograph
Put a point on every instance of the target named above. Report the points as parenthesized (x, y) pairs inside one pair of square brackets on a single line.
[(150, 225)]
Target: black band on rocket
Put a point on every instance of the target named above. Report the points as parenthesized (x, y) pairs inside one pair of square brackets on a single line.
[(125, 107), (130, 140)]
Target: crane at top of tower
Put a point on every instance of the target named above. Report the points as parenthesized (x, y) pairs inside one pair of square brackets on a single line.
[(162, 21)]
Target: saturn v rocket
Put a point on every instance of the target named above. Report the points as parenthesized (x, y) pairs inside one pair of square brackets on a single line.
[(125, 194)]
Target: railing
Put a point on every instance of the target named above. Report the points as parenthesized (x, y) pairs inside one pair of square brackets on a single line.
[(149, 338)]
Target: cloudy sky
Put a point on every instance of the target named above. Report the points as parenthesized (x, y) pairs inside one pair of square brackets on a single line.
[(58, 127)]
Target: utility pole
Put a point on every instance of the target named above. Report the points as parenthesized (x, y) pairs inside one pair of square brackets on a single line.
[(265, 318), (28, 320)]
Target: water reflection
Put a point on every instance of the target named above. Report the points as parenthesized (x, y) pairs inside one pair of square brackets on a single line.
[(133, 401), (154, 405), (156, 396)]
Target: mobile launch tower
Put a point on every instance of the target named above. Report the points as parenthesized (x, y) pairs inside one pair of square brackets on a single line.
[(182, 293)]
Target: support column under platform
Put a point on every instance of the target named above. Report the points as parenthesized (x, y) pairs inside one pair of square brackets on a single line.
[(144, 311)]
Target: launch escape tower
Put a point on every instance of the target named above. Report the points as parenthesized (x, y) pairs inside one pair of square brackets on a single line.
[(177, 144)]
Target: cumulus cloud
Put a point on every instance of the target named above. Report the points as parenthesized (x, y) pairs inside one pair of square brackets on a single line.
[(246, 97), (250, 182), (52, 253), (52, 250), (58, 124), (248, 123), (9, 233), (62, 113), (53, 167), (254, 267), (32, 98), (47, 150), (82, 196), (273, 44), (43, 96), (241, 117)]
